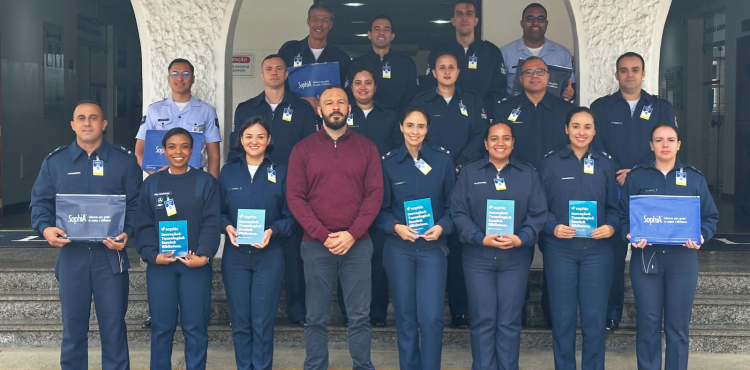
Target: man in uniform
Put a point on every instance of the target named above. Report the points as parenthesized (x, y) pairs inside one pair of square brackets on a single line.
[(89, 165), (624, 121), (395, 73), (184, 110)]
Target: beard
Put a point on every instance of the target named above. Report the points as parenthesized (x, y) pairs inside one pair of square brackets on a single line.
[(334, 125)]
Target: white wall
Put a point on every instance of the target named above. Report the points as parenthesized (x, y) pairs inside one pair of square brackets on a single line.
[(500, 22)]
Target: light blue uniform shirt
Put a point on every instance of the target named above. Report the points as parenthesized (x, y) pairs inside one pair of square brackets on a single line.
[(197, 116), (551, 53)]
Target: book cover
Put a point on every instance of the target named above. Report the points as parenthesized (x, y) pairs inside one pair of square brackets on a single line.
[(90, 217), (662, 219), (500, 217), (153, 153), (250, 226), (173, 237), (419, 215), (582, 217), (310, 80)]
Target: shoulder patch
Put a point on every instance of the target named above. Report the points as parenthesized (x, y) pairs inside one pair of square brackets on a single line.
[(58, 150), (124, 150), (143, 120), (549, 154), (216, 122)]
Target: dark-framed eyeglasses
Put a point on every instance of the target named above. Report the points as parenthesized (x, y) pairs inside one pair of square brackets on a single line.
[(538, 18), (539, 72)]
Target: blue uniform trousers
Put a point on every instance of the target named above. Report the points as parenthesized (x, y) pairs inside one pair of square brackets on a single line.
[(578, 277), (666, 295), (83, 270), (253, 285), (379, 302), (457, 299), (177, 289), (496, 288), (418, 301), (617, 291), (294, 278)]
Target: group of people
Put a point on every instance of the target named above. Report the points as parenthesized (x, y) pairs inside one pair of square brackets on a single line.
[(335, 175)]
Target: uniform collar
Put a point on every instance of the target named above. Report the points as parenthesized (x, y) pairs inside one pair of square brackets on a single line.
[(646, 97), (476, 46), (546, 101), (304, 45), (424, 153), (511, 162), (568, 151), (243, 158), (102, 151), (376, 56), (433, 94), (677, 165), (261, 98), (173, 106), (375, 107), (523, 49)]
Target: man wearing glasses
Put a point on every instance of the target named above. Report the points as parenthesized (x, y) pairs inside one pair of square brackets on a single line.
[(533, 43), (184, 110)]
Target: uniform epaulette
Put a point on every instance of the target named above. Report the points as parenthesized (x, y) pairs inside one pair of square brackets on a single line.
[(503, 100), (636, 167), (549, 154), (606, 155), (442, 150), (59, 149), (695, 169), (157, 102), (124, 150), (528, 164), (389, 154)]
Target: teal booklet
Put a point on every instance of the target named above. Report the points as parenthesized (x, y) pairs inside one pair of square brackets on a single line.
[(419, 215), (500, 214), (582, 217), (173, 237), (250, 226)]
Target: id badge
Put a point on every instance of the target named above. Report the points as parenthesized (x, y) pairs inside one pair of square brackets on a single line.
[(514, 115), (646, 113), (298, 61), (463, 109), (423, 166), (271, 175), (681, 178), (170, 207), (287, 114), (588, 166), (473, 61), (98, 168), (196, 128), (500, 183), (386, 71), (350, 119)]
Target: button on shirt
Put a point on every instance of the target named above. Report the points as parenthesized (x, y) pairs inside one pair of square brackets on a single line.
[(551, 53), (539, 129), (397, 91), (460, 134), (564, 179), (380, 126), (403, 181), (285, 133), (475, 185), (330, 54), (197, 116), (624, 136)]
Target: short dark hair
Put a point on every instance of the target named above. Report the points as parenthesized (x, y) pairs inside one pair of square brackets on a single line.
[(470, 2), (496, 122), (252, 121), (413, 109), (520, 69), (181, 60), (577, 110), (320, 6), (630, 54), (271, 56), (381, 16), (449, 54), (533, 5), (176, 131), (665, 124), (363, 69)]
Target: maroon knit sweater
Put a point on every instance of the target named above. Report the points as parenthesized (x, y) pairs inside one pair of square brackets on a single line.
[(334, 185)]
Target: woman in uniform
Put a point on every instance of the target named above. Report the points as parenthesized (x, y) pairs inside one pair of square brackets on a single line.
[(664, 277), (189, 199), (252, 273), (582, 201), (415, 218), (499, 209)]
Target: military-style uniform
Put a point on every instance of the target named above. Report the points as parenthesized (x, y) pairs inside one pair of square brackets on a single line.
[(297, 53), (395, 77)]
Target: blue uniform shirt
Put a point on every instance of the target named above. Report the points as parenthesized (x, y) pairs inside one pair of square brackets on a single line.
[(564, 179), (197, 116), (538, 129), (69, 170), (552, 53), (449, 128), (488, 79), (403, 181), (397, 91), (241, 191), (286, 130), (626, 138), (475, 185), (330, 54), (380, 126)]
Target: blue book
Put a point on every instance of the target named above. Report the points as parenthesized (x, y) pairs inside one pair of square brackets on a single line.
[(419, 215), (500, 215), (309, 80), (582, 217), (153, 153), (662, 219), (250, 226), (173, 237)]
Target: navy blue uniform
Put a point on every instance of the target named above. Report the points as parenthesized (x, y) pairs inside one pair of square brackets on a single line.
[(301, 49), (252, 276), (86, 269), (398, 90), (380, 126), (668, 292), (175, 287), (482, 69), (496, 278), (286, 129), (578, 270), (626, 138), (418, 269)]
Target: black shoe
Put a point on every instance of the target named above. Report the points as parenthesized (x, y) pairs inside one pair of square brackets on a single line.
[(613, 325), (300, 323), (460, 321), (146, 323), (378, 323)]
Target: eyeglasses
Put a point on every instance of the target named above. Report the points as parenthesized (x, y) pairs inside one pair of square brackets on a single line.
[(324, 20), (539, 72), (539, 18), (184, 74)]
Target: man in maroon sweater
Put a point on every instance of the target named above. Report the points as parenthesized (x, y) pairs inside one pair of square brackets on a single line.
[(335, 190)]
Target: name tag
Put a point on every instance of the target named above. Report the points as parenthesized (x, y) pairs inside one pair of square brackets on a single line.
[(197, 128), (160, 198), (287, 116), (473, 61), (500, 183), (588, 166), (170, 207), (98, 168), (271, 175), (646, 113), (298, 61), (350, 119), (463, 108), (514, 114), (480, 183), (73, 173), (423, 166), (386, 71), (681, 178)]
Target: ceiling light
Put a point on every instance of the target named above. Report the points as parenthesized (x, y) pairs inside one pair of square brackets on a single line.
[(360, 34), (354, 4), (440, 21)]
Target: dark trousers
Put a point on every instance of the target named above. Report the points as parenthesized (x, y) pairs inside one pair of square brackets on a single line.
[(545, 293), (83, 270), (578, 278), (173, 290), (457, 300), (418, 301), (617, 291), (353, 270), (253, 285), (667, 295), (496, 289), (379, 302), (294, 278)]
